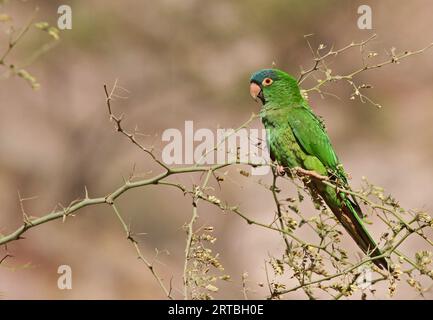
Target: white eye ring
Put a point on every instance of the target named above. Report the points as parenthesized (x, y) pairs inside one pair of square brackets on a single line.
[(267, 82)]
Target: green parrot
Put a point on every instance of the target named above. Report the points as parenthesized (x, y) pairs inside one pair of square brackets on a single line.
[(297, 139)]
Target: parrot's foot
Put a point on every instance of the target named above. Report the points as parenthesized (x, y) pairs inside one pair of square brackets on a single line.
[(280, 170), (310, 173)]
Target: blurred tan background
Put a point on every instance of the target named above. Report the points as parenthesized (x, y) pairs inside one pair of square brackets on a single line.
[(190, 60)]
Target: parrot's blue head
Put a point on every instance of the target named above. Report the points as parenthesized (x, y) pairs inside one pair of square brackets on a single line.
[(272, 84), (259, 76), (258, 80)]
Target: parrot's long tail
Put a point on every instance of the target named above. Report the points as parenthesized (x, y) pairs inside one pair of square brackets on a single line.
[(349, 214)]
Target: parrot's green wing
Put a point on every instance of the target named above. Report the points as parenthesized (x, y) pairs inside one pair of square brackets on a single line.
[(312, 137)]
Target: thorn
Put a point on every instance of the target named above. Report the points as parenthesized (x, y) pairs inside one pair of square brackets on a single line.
[(5, 257), (108, 200), (86, 193)]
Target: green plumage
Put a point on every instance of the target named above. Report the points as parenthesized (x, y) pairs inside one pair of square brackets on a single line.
[(297, 138)]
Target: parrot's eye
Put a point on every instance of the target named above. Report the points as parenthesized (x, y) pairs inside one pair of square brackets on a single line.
[(267, 82)]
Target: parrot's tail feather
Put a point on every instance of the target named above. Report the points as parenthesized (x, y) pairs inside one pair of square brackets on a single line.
[(349, 213), (359, 233)]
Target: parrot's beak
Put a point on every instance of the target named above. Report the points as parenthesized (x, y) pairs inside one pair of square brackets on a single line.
[(256, 92)]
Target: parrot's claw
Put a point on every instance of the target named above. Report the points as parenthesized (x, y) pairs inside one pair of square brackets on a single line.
[(280, 170)]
